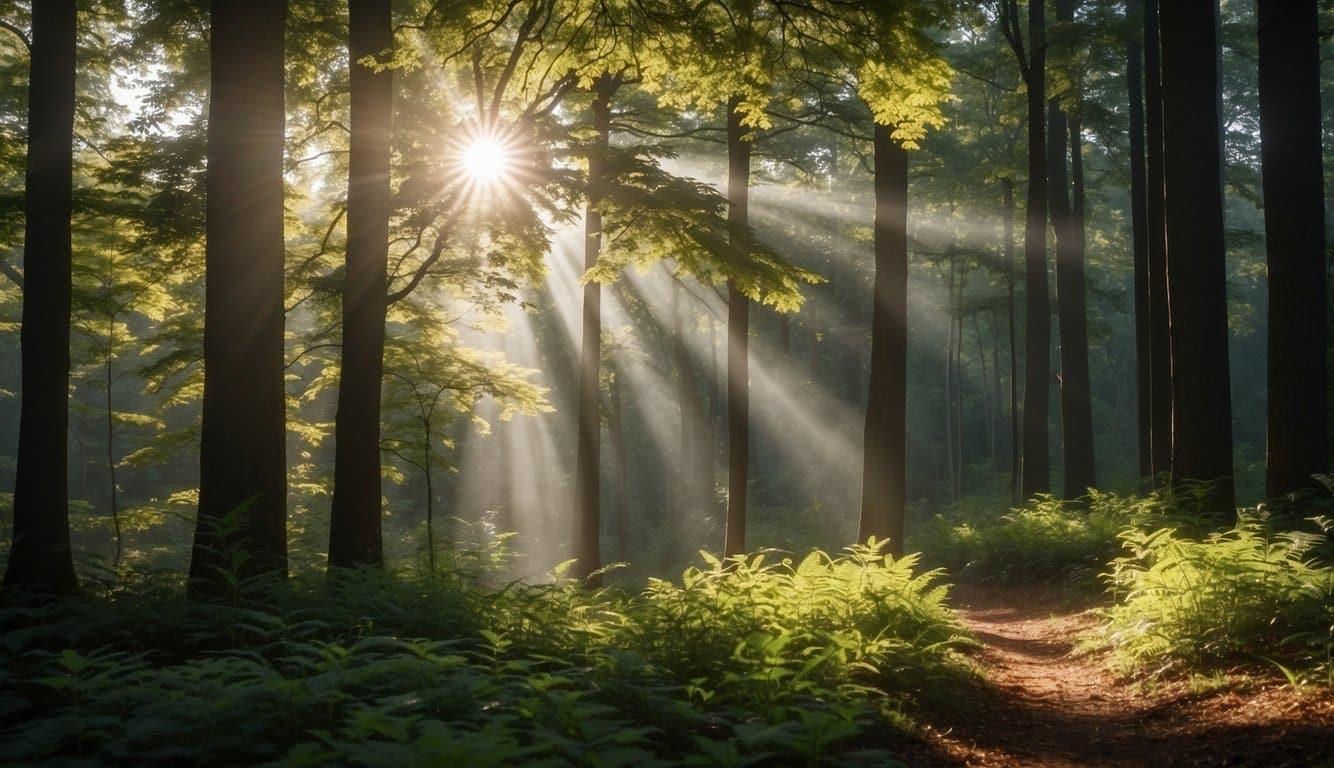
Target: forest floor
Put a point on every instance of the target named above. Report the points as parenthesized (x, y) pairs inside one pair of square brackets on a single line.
[(1046, 703)]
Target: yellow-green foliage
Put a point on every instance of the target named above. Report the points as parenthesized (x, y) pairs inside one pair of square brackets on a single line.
[(1248, 592), (863, 617), (1046, 539)]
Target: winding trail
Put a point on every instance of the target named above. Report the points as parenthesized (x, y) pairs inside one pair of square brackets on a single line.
[(1046, 705)]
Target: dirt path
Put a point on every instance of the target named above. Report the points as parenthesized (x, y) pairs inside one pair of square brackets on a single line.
[(1046, 705)]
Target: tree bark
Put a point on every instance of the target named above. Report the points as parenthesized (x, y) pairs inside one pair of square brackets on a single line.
[(738, 339), (1160, 339), (620, 469), (1016, 447), (40, 558), (1076, 394), (884, 467), (1197, 287), (1139, 238), (1036, 468), (242, 454), (1290, 134), (587, 480), (355, 518)]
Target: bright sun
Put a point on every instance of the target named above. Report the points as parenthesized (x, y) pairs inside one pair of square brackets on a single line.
[(485, 160)]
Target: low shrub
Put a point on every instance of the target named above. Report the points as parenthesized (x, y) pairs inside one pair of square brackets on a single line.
[(1247, 593)]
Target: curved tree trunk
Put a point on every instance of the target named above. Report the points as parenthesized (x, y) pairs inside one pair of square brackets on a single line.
[(1197, 285), (355, 518), (884, 467), (1295, 240), (738, 340), (242, 457), (40, 558)]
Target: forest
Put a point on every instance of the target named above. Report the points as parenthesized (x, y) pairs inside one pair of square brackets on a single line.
[(707, 383)]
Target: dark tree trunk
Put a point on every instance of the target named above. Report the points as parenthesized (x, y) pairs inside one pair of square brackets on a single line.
[(242, 455), (884, 468), (738, 339), (1160, 339), (1192, 150), (1036, 475), (588, 524), (1076, 395), (1016, 447), (1139, 238), (1068, 225), (354, 526), (1294, 238), (40, 558)]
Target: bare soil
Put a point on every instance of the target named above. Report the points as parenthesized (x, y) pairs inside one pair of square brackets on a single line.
[(1043, 703)]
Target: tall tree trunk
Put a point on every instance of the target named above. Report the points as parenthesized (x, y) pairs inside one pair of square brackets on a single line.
[(1197, 285), (738, 339), (1140, 237), (1160, 340), (354, 526), (1076, 427), (242, 457), (1036, 475), (587, 461), (1076, 394), (884, 467), (112, 486), (984, 389), (958, 387), (947, 401), (40, 558), (1290, 134), (1016, 446), (620, 470)]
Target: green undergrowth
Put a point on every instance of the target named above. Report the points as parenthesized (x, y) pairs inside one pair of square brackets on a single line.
[(1047, 540), (1261, 592), (756, 660)]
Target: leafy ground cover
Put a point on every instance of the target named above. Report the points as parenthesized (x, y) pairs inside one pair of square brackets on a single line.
[(753, 661)]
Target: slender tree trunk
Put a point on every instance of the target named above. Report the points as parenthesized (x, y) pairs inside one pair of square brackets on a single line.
[(1140, 237), (111, 446), (1197, 286), (1290, 133), (948, 400), (1036, 468), (984, 388), (427, 460), (1016, 447), (354, 526), (40, 558), (1160, 340), (1076, 394), (587, 462), (620, 471), (242, 456), (958, 388), (884, 468), (738, 339)]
